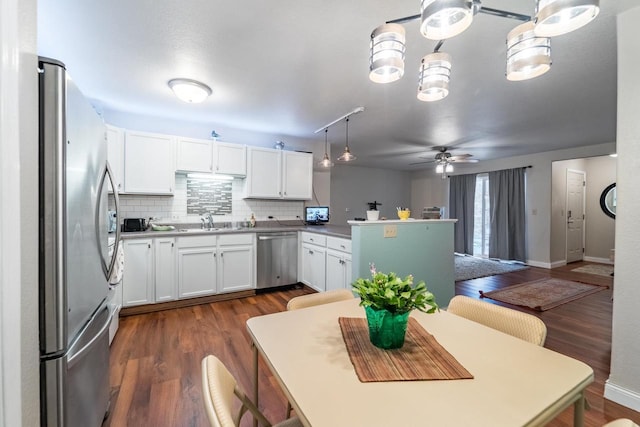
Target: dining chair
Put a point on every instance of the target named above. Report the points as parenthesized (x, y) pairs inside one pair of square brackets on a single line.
[(218, 389), (513, 322), (621, 422), (319, 298)]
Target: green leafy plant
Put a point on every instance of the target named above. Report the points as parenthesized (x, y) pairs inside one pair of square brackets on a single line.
[(394, 294)]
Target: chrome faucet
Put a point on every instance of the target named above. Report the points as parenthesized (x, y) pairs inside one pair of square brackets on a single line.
[(210, 220)]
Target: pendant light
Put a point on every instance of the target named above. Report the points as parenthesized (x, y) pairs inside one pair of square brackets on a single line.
[(556, 17), (442, 19), (326, 161), (528, 55), (346, 156), (386, 53), (433, 78)]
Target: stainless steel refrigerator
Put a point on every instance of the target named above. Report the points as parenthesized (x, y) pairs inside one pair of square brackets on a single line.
[(74, 266)]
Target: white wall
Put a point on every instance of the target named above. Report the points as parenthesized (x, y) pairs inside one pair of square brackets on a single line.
[(538, 191), (19, 364), (353, 186), (623, 385)]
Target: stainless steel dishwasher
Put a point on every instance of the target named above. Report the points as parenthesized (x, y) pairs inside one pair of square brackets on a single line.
[(277, 259)]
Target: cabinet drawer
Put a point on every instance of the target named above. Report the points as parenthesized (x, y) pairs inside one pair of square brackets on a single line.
[(339, 244), (195, 241), (314, 239), (236, 239)]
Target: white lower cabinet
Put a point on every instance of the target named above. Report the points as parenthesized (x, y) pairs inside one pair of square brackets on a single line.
[(138, 277), (165, 269), (149, 274), (215, 264), (325, 262), (235, 272), (338, 270)]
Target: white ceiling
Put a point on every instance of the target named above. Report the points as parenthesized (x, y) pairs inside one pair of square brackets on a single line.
[(291, 66)]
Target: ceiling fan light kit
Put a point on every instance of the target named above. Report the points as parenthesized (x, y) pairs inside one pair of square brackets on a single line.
[(528, 45), (188, 90)]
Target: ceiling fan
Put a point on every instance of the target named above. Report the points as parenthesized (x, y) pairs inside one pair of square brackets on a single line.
[(444, 160)]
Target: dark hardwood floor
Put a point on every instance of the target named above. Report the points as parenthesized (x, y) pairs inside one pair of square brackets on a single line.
[(155, 357)]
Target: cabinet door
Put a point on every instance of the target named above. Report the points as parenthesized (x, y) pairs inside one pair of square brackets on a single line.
[(230, 159), (196, 271), (137, 280), (149, 165), (235, 267), (313, 266), (335, 278), (297, 175), (115, 155), (165, 269), (263, 173), (348, 280), (194, 155)]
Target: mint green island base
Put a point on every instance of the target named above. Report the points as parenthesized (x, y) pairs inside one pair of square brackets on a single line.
[(423, 248)]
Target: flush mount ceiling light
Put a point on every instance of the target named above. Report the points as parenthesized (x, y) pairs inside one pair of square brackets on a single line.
[(528, 55), (433, 79), (386, 53), (191, 91), (326, 161), (346, 156), (529, 47), (556, 17)]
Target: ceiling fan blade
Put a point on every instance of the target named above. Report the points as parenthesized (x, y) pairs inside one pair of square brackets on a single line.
[(421, 163), (464, 161), (460, 156)]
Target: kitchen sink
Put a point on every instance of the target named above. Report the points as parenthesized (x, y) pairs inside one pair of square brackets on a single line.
[(199, 230)]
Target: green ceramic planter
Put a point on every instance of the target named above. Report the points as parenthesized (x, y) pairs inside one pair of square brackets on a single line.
[(386, 329)]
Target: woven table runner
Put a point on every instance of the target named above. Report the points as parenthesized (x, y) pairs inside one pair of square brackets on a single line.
[(420, 358)]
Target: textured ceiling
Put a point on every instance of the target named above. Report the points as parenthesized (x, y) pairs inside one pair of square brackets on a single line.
[(289, 67)]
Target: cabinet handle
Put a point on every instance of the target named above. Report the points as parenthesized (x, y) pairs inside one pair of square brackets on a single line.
[(171, 244), (342, 246), (170, 190), (149, 245), (310, 252), (221, 254), (119, 186), (215, 254)]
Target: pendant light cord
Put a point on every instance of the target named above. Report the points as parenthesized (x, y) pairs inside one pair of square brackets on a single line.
[(347, 141)]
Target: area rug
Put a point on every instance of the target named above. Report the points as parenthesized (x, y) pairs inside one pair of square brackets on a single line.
[(469, 267), (543, 294), (599, 269)]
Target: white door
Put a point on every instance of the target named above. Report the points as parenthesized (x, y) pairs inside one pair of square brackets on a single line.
[(335, 274), (137, 279), (575, 215), (297, 175)]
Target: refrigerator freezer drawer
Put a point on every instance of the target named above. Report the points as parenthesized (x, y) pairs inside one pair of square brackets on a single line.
[(75, 388)]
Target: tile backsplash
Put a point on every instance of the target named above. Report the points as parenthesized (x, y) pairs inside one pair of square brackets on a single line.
[(173, 209)]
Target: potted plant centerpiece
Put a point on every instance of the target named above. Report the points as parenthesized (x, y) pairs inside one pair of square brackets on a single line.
[(388, 300)]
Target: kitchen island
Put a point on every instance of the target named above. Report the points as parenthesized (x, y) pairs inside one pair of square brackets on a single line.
[(423, 248)]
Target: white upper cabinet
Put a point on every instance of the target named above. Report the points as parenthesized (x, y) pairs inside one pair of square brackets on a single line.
[(230, 159), (264, 173), (277, 174), (149, 163), (194, 155), (297, 175), (115, 155)]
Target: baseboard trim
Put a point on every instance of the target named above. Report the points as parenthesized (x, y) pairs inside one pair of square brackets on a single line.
[(150, 308), (560, 263), (598, 260), (539, 264), (622, 396)]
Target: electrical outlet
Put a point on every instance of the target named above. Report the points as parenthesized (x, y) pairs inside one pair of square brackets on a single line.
[(390, 231)]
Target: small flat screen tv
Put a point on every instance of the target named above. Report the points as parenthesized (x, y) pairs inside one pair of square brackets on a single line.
[(316, 214)]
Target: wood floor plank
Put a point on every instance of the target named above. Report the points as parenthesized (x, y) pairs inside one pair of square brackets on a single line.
[(155, 357)]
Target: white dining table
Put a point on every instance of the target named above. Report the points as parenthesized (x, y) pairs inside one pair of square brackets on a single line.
[(515, 383)]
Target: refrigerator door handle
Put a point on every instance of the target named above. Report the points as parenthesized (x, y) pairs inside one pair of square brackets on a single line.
[(108, 269), (80, 353)]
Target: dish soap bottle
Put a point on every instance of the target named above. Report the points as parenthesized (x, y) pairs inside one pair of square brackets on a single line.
[(252, 221)]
